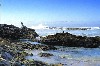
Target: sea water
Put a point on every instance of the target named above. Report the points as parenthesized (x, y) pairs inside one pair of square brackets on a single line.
[(69, 56), (89, 33)]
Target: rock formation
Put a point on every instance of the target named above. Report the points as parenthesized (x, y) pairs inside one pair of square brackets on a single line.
[(13, 32), (67, 39)]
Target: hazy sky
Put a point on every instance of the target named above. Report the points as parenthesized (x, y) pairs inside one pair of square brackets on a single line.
[(86, 12)]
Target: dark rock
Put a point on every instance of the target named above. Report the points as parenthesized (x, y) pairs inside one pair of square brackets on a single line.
[(6, 56), (67, 39), (38, 46), (45, 54), (17, 64), (4, 63), (34, 63), (31, 54), (13, 32), (39, 63)]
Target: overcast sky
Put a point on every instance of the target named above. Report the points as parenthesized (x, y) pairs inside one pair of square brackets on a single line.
[(32, 12)]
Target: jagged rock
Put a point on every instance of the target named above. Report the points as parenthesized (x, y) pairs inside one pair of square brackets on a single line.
[(13, 32), (67, 39)]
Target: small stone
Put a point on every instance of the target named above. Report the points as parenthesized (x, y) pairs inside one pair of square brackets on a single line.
[(45, 54)]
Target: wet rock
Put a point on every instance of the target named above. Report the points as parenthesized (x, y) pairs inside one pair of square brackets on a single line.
[(14, 54), (6, 56), (17, 64), (31, 54), (67, 39), (45, 54), (38, 47), (34, 63), (39, 63), (57, 65), (44, 47), (4, 63)]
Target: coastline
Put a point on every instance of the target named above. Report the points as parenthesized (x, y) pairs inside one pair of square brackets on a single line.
[(14, 51)]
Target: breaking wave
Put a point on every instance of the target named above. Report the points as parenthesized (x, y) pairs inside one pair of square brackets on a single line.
[(40, 26)]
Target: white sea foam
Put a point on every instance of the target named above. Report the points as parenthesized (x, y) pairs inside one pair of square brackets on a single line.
[(40, 26), (93, 28)]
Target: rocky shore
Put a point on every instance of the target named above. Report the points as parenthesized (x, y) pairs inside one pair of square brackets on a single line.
[(12, 32), (13, 51), (67, 39)]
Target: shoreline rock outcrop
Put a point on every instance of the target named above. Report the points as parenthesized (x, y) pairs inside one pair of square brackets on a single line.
[(12, 50), (14, 53), (12, 32), (67, 39)]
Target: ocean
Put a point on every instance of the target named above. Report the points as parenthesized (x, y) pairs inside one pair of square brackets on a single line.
[(69, 56), (89, 33)]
